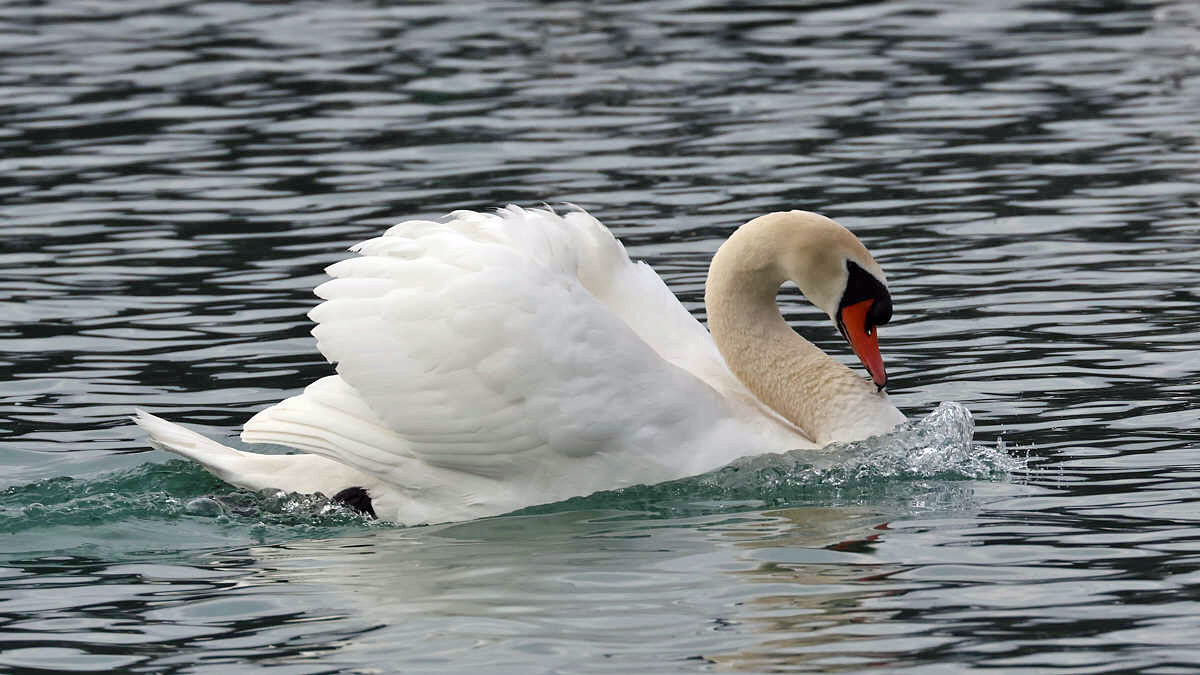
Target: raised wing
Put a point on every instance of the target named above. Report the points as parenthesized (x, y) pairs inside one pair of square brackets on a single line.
[(500, 344)]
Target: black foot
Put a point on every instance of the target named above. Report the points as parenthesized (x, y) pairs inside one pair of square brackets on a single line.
[(357, 499)]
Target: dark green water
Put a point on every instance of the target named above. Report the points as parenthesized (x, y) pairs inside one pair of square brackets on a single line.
[(175, 175)]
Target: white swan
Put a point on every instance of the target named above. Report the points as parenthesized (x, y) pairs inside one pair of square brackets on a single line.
[(496, 361)]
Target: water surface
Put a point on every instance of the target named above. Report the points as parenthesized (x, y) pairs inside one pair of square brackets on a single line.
[(175, 175)]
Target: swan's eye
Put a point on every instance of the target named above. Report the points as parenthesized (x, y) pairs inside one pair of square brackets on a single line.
[(860, 285)]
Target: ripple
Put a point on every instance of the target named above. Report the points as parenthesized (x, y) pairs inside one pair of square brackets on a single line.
[(174, 176)]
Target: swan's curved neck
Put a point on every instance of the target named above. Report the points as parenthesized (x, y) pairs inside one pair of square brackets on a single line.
[(782, 369)]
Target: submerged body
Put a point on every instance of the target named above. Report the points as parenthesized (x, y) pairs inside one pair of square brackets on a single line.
[(495, 361)]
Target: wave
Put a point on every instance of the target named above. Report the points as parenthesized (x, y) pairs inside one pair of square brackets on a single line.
[(899, 465), (170, 491)]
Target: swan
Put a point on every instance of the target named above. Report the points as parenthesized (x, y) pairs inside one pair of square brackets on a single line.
[(492, 361)]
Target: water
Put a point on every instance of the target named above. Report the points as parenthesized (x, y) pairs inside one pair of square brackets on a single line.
[(174, 176)]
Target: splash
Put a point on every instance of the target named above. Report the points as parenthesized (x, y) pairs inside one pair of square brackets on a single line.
[(938, 447), (915, 464)]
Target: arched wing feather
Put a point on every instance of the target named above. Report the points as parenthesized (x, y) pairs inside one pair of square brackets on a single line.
[(488, 337)]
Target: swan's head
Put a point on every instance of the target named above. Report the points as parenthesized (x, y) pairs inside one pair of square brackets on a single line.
[(832, 269), (865, 305), (835, 272)]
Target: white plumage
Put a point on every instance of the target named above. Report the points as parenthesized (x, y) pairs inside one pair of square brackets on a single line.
[(494, 361)]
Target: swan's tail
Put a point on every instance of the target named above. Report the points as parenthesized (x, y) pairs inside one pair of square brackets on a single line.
[(164, 435), (294, 473)]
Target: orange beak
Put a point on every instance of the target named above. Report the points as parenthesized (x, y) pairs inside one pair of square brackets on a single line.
[(852, 320)]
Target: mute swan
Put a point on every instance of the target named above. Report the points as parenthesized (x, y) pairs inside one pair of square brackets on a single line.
[(500, 360)]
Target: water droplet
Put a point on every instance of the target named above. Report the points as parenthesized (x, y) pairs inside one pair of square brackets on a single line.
[(204, 506)]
